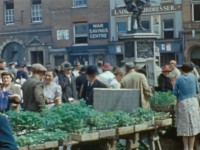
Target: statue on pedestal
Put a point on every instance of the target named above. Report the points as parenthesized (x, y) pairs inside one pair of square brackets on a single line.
[(136, 7)]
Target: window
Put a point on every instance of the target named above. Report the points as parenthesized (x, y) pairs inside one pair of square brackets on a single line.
[(9, 13), (79, 3), (121, 27), (36, 11), (196, 12), (146, 24), (81, 33), (168, 28)]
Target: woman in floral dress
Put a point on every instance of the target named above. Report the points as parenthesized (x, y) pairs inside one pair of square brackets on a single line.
[(188, 118)]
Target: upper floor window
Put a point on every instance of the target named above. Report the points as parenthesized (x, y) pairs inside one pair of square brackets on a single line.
[(81, 33), (168, 28), (9, 13), (121, 27), (196, 12), (79, 3), (36, 11)]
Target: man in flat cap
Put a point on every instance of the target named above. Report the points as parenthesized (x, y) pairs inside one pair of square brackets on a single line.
[(32, 90), (135, 80)]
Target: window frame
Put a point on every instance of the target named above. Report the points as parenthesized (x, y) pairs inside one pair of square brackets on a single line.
[(193, 15), (126, 26), (83, 3), (80, 35), (36, 12), (9, 14), (168, 29)]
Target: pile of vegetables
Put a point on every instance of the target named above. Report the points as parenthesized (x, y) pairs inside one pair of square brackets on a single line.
[(163, 101), (58, 122)]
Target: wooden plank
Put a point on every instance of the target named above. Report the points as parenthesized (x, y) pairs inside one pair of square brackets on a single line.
[(125, 130), (165, 122), (37, 147), (132, 142), (23, 148), (141, 127), (51, 144), (103, 134), (85, 137)]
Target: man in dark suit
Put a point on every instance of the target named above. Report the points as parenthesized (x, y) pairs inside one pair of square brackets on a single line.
[(7, 141), (91, 83), (68, 83)]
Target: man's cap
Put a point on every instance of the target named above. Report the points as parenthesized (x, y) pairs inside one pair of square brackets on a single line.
[(129, 65), (12, 63), (91, 70), (77, 63), (67, 66), (21, 65), (38, 68)]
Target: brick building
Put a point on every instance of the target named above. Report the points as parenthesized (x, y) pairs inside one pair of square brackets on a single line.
[(53, 31), (191, 30)]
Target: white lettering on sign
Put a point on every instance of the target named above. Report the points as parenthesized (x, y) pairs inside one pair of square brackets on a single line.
[(97, 36), (97, 25), (98, 31), (153, 9)]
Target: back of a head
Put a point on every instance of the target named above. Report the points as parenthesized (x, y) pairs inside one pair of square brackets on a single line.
[(36, 68)]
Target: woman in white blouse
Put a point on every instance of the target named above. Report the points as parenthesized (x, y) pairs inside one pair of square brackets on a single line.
[(52, 91)]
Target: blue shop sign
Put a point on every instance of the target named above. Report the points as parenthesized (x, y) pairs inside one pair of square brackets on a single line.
[(98, 31)]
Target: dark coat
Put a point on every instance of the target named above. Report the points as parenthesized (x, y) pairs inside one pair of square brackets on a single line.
[(87, 91), (21, 74), (164, 84), (7, 141), (33, 95), (79, 81), (68, 88)]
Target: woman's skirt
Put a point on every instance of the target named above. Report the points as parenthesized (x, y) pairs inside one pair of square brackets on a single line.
[(188, 117)]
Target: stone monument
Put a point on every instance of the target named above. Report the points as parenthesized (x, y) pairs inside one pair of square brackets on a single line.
[(136, 7), (139, 43)]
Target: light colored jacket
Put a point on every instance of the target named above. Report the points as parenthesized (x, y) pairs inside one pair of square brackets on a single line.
[(135, 80)]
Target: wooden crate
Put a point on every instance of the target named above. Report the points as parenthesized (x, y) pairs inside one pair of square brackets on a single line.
[(37, 147), (141, 127), (23, 148), (85, 137), (125, 130), (162, 123), (51, 144), (103, 134)]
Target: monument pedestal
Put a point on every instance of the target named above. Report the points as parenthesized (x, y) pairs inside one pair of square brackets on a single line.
[(139, 47)]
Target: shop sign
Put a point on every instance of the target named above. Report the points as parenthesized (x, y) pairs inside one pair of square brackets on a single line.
[(153, 9), (98, 31)]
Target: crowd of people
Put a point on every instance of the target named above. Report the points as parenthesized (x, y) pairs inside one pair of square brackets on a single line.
[(32, 87)]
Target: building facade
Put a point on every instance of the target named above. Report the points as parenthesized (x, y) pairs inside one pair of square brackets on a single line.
[(51, 32), (162, 17), (191, 30)]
